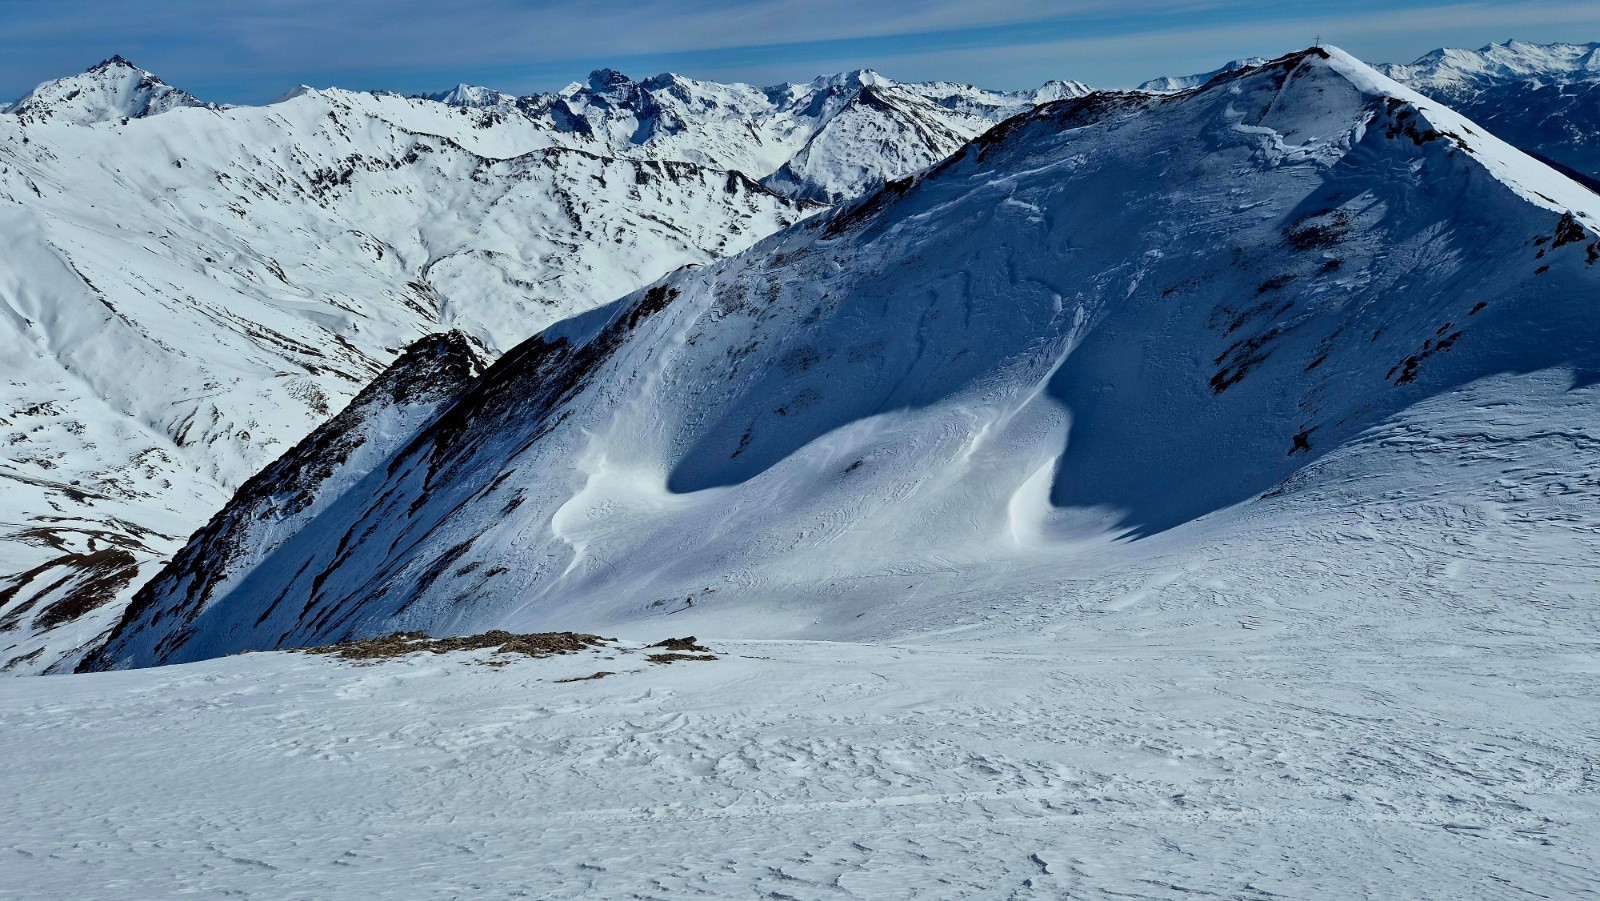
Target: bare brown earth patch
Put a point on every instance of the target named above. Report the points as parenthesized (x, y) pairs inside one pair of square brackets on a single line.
[(674, 658), (536, 644), (682, 644), (680, 649), (600, 675)]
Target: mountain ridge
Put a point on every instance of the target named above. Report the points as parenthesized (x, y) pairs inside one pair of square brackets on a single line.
[(1541, 96), (842, 442)]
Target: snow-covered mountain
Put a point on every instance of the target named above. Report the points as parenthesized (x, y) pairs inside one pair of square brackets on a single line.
[(188, 294), (1172, 84), (191, 293), (1544, 98), (830, 139), (111, 90), (1320, 294)]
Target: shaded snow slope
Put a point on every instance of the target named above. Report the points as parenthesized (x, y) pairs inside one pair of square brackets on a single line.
[(192, 292), (187, 295), (92, 559), (980, 382), (274, 503)]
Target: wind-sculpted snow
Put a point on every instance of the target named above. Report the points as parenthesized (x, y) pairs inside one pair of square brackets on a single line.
[(193, 288), (988, 379), (188, 294)]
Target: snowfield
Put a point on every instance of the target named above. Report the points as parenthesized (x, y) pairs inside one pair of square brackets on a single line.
[(1393, 698), (1167, 496)]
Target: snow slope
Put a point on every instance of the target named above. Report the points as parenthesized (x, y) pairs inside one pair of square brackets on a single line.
[(1378, 700), (253, 268), (981, 382), (1373, 677), (1545, 98), (188, 294), (1171, 84)]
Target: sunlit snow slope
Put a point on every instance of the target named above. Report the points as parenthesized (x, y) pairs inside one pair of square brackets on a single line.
[(186, 295), (1298, 313), (1544, 98), (191, 289)]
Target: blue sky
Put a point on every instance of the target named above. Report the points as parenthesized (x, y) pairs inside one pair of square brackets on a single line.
[(245, 51)]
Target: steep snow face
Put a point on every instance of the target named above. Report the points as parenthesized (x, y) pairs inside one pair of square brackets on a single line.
[(112, 90), (187, 295), (832, 138), (985, 381), (1545, 98)]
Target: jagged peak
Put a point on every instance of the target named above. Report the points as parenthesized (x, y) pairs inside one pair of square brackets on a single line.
[(607, 80), (111, 89), (115, 61)]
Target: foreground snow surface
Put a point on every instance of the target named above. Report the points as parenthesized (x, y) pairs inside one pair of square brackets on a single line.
[(1400, 720)]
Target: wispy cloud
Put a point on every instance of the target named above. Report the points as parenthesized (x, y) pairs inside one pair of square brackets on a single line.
[(252, 49)]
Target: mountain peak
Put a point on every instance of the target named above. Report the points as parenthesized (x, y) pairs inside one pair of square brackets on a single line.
[(1171, 84), (858, 370), (116, 61), (854, 79), (1454, 69), (605, 80), (109, 90), (470, 95)]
